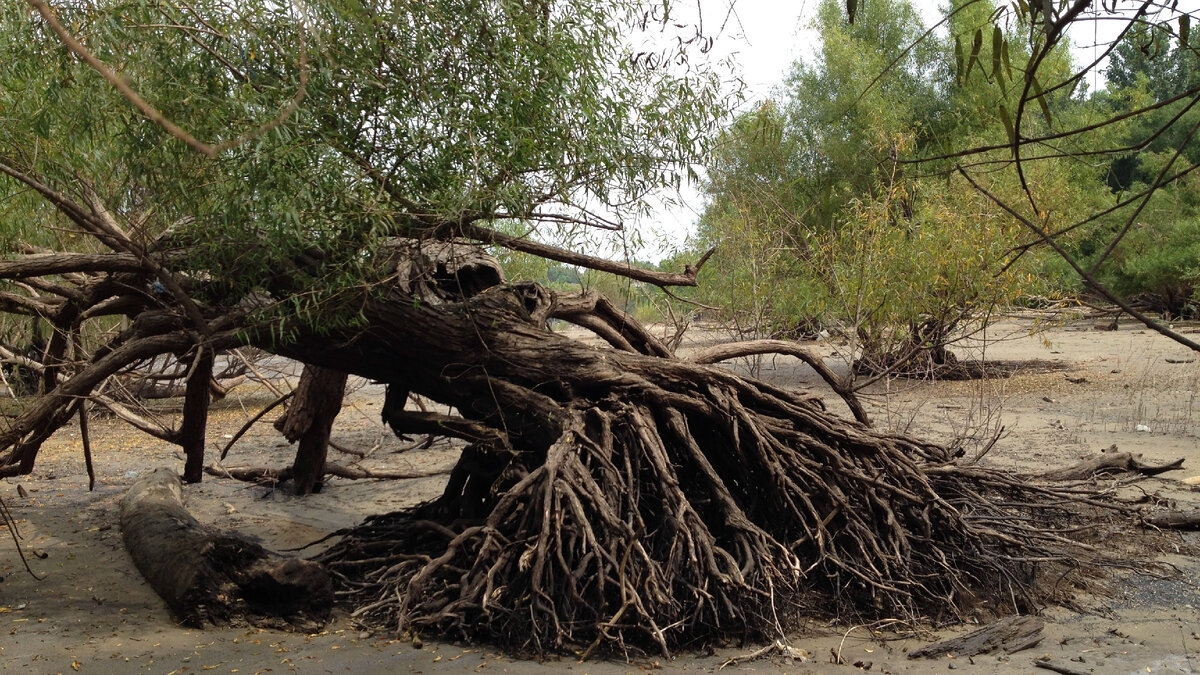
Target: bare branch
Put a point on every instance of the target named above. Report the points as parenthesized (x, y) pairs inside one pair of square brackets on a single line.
[(687, 278), (754, 347), (42, 264)]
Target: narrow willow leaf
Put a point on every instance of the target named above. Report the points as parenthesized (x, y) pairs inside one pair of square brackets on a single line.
[(997, 47), (1007, 61), (958, 60), (976, 47), (1185, 27), (1006, 120), (1041, 99)]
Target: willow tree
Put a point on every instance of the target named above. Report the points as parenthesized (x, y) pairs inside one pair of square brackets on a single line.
[(182, 178)]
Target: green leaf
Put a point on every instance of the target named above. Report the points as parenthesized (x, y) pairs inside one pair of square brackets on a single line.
[(958, 60), (1007, 61), (1185, 27), (997, 48), (1041, 99), (1006, 120), (976, 47)]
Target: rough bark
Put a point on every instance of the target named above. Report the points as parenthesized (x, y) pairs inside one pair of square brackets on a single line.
[(208, 576), (619, 498), (309, 420), (195, 416), (638, 500)]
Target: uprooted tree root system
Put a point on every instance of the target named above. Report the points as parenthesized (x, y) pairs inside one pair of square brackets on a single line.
[(685, 511)]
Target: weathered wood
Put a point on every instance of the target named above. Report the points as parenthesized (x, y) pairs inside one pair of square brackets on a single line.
[(265, 475), (1012, 634), (309, 420), (1175, 520), (1107, 462), (210, 576)]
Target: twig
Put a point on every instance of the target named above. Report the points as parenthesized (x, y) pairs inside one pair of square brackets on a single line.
[(1047, 665), (252, 420), (82, 407), (11, 522)]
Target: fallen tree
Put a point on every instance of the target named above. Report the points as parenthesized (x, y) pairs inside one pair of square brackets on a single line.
[(609, 498)]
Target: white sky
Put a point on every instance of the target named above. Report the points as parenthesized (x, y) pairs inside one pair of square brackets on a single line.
[(766, 37)]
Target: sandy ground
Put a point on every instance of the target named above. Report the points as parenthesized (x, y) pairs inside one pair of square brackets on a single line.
[(1079, 390)]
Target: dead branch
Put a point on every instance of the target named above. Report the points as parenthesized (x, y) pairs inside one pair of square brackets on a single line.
[(526, 245), (754, 347), (250, 422), (263, 475), (1175, 520), (1109, 462), (211, 576), (598, 314)]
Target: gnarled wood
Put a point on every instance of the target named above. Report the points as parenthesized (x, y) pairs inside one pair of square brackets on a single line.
[(309, 420), (755, 347), (1109, 462)]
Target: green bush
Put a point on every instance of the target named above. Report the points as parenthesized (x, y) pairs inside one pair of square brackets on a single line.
[(1160, 261)]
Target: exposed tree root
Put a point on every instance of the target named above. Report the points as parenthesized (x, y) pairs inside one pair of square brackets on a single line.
[(680, 511)]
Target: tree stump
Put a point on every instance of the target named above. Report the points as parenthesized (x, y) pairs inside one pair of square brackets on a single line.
[(210, 576)]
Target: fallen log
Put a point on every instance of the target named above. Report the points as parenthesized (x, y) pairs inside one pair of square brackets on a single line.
[(265, 475), (1012, 634), (1108, 462), (210, 576), (1175, 520)]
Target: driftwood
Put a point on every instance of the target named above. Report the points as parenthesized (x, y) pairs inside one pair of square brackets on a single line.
[(210, 576), (265, 475), (1175, 520), (1012, 634), (1108, 462), (1064, 670)]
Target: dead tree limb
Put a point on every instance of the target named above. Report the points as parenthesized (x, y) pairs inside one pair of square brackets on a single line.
[(1109, 462), (756, 347), (268, 476)]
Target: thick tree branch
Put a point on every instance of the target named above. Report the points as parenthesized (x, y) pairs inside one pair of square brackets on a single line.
[(597, 313), (41, 264)]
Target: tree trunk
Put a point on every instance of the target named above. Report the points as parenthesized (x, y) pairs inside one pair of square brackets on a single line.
[(309, 419), (207, 576), (195, 416)]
